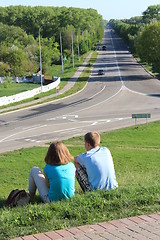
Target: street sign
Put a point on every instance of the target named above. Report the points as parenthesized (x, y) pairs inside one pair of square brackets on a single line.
[(141, 115)]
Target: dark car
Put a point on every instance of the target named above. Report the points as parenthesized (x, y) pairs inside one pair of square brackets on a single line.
[(100, 72), (104, 47)]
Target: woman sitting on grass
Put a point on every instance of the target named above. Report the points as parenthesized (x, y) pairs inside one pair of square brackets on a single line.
[(58, 180)]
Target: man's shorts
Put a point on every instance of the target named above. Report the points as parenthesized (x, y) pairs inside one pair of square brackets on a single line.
[(82, 179)]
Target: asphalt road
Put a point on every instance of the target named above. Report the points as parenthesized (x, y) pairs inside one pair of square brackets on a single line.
[(106, 103)]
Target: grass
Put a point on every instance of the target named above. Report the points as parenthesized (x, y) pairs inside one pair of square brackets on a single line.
[(15, 88), (148, 67), (136, 154), (56, 70)]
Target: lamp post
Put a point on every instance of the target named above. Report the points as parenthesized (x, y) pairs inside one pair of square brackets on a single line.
[(78, 47), (72, 50), (40, 55), (61, 54)]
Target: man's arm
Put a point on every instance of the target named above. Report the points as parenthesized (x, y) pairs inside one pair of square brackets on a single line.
[(76, 159), (76, 163)]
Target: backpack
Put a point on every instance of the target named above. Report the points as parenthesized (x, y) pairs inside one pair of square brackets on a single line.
[(18, 198)]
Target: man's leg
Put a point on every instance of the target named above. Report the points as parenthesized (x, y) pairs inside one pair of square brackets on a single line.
[(82, 178)]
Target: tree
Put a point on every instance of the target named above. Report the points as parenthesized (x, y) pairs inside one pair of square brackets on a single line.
[(19, 27), (56, 53), (83, 46), (16, 59), (11, 35), (152, 13), (4, 67), (148, 45)]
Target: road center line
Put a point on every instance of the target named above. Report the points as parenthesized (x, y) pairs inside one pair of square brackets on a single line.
[(119, 73), (27, 130)]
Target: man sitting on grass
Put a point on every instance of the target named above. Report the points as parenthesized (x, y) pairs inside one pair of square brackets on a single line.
[(95, 168)]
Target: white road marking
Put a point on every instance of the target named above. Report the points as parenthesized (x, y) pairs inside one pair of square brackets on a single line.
[(76, 116), (94, 123), (29, 129), (72, 120), (62, 131), (97, 93), (64, 117), (69, 115), (128, 89), (32, 140), (76, 111), (119, 73), (51, 119), (5, 123), (33, 126)]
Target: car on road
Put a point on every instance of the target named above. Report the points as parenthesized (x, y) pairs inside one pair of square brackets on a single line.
[(100, 72), (104, 48)]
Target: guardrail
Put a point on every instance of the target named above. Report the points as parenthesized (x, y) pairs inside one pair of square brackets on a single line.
[(28, 94)]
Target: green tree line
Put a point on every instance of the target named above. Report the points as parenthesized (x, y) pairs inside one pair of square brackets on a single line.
[(20, 27), (142, 34)]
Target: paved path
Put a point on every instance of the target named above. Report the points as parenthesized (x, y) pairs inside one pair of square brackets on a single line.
[(141, 227), (68, 86)]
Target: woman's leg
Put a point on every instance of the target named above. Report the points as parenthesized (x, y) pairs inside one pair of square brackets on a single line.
[(37, 180)]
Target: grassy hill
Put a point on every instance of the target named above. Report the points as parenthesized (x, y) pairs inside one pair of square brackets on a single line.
[(136, 155)]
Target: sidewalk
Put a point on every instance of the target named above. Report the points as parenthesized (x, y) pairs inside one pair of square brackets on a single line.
[(68, 86), (140, 228)]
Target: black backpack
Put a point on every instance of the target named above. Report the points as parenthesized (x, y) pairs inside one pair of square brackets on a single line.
[(18, 198)]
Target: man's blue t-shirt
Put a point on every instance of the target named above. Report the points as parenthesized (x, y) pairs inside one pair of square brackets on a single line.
[(61, 181), (100, 168)]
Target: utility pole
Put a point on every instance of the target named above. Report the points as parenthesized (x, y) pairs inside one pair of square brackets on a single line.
[(87, 38), (61, 54), (78, 48), (40, 54), (72, 51), (40, 59)]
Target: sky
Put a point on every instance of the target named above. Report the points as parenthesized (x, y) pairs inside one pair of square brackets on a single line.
[(109, 9)]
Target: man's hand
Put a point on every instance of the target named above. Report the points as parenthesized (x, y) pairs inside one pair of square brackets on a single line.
[(76, 163), (76, 159)]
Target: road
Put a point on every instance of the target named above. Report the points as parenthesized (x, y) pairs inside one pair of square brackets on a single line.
[(106, 103)]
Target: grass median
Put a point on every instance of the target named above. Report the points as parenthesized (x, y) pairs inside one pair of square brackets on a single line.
[(136, 155)]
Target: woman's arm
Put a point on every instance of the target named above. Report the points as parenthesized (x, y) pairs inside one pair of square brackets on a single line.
[(46, 179)]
